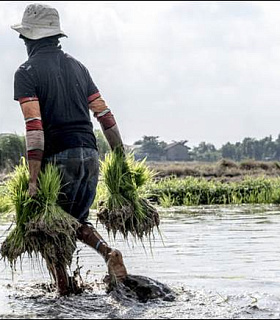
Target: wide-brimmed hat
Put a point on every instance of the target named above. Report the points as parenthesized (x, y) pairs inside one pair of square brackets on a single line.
[(39, 21)]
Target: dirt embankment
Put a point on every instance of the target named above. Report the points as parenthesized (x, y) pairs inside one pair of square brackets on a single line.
[(224, 170)]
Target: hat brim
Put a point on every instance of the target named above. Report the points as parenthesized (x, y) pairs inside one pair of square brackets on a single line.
[(37, 33)]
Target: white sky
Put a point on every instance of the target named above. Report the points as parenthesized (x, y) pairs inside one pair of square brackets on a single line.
[(197, 71)]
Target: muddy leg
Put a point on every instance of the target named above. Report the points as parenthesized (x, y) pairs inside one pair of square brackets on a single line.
[(61, 277), (62, 280), (92, 238), (112, 257), (52, 272)]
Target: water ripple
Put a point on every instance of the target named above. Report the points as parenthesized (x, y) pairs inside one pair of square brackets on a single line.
[(222, 261)]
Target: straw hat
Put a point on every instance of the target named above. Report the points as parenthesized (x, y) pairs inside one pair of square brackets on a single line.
[(39, 21)]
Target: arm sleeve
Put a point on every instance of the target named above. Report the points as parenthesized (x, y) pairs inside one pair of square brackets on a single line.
[(24, 85)]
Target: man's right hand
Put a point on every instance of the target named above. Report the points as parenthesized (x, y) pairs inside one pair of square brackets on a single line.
[(34, 170)]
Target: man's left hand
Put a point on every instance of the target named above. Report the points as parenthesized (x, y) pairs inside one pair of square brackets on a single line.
[(32, 189)]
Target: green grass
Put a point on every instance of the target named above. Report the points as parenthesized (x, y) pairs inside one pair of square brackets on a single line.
[(5, 204), (200, 191), (191, 191)]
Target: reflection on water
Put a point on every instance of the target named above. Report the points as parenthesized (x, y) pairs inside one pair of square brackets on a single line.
[(223, 262)]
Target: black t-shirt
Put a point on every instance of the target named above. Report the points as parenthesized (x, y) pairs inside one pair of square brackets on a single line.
[(62, 85)]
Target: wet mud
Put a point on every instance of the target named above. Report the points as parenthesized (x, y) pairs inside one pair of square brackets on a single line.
[(26, 301), (139, 288)]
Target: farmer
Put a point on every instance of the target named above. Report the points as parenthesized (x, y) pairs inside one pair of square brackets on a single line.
[(56, 94)]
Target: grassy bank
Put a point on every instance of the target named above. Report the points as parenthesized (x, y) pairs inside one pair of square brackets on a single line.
[(169, 192)]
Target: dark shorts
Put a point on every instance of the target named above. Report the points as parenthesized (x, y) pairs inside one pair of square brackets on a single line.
[(80, 169)]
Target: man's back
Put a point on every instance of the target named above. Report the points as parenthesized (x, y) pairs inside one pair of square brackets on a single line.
[(62, 86)]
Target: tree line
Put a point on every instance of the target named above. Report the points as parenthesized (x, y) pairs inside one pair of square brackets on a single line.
[(13, 147), (265, 149)]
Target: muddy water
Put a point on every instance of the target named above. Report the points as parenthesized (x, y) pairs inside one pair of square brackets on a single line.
[(222, 262)]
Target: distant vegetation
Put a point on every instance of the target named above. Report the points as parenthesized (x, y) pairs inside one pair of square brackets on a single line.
[(236, 156), (12, 148), (265, 149)]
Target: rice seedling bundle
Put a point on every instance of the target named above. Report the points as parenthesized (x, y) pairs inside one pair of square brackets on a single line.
[(42, 227), (123, 209)]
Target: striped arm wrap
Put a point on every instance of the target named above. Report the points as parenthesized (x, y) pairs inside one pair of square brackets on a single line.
[(27, 99), (103, 114), (97, 105), (106, 119), (34, 139), (93, 97)]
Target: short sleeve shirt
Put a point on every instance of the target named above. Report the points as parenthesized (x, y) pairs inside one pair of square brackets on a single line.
[(63, 86)]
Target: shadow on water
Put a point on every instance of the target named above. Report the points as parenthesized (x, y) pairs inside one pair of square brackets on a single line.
[(220, 262)]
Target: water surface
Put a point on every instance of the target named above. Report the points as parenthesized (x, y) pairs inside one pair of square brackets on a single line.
[(221, 261)]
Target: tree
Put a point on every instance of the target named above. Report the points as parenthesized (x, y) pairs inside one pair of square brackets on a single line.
[(205, 152), (102, 144), (151, 148), (228, 151), (12, 148), (277, 148)]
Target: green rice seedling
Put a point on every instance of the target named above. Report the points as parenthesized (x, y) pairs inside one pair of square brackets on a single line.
[(236, 198), (5, 204), (141, 173), (123, 209), (41, 226), (166, 201), (191, 199), (200, 191)]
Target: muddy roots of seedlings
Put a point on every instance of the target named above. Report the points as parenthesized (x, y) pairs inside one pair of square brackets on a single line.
[(55, 241), (125, 221)]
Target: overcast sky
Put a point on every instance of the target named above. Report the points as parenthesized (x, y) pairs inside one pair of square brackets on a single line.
[(196, 71)]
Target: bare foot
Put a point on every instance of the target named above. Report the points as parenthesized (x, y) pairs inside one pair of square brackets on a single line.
[(116, 267)]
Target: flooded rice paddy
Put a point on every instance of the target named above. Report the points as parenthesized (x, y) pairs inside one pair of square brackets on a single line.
[(221, 262)]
